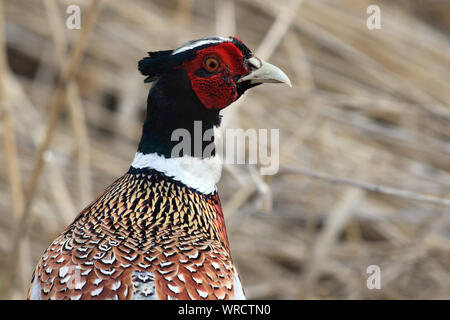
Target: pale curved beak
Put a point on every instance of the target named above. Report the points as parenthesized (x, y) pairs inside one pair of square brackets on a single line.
[(265, 72)]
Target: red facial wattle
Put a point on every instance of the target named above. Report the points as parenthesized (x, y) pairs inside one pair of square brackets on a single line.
[(216, 89)]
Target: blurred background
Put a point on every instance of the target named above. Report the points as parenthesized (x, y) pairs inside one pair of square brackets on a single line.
[(364, 135)]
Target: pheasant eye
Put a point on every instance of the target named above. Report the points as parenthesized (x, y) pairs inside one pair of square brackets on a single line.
[(211, 64)]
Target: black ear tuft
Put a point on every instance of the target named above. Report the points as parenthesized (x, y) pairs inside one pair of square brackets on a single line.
[(160, 62), (156, 64)]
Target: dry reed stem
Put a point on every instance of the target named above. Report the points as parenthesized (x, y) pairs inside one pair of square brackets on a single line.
[(76, 109), (82, 142), (406, 194), (263, 188), (335, 223)]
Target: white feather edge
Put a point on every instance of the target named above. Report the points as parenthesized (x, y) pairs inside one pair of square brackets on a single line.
[(238, 291), (35, 293), (199, 174), (200, 43)]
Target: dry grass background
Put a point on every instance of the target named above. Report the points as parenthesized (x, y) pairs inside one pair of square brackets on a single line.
[(365, 135)]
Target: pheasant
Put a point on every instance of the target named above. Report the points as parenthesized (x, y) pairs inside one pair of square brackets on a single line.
[(158, 231)]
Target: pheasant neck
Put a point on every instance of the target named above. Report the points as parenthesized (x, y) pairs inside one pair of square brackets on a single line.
[(177, 124)]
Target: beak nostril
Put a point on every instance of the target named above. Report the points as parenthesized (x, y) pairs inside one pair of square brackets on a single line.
[(255, 63)]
